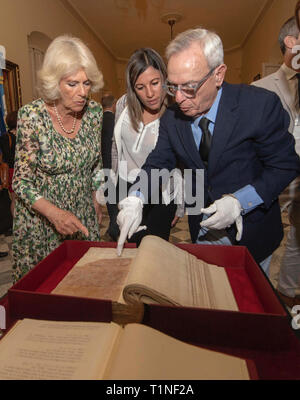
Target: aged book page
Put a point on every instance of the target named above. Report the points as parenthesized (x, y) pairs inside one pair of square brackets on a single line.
[(56, 350), (41, 350), (165, 274), (99, 274), (145, 353), (156, 273)]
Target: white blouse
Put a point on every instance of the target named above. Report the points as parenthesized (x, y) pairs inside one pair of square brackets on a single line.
[(136, 146)]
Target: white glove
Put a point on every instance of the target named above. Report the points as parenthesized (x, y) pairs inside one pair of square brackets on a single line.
[(129, 219), (227, 210)]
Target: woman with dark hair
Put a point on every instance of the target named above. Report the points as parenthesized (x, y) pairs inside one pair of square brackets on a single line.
[(136, 133)]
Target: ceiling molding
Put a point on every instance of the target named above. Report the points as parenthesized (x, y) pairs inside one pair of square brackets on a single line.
[(232, 49), (75, 13), (83, 21), (122, 60), (260, 16)]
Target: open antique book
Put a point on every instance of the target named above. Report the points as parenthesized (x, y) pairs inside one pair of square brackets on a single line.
[(156, 273), (58, 350)]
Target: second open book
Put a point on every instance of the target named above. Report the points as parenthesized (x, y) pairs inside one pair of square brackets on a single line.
[(57, 350), (156, 273)]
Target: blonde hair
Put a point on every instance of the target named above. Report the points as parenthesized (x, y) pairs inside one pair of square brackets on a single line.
[(65, 56)]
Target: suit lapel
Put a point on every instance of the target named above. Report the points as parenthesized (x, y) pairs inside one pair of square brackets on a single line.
[(225, 122)]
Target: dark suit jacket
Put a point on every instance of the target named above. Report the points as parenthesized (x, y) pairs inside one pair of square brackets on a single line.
[(106, 137), (250, 145)]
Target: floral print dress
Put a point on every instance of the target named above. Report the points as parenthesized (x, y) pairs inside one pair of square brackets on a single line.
[(63, 171)]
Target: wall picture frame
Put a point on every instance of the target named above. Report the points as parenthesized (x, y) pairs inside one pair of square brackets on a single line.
[(12, 86)]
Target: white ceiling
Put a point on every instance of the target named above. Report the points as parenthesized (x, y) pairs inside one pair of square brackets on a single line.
[(126, 25)]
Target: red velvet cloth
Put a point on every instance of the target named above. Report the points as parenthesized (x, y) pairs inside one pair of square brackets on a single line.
[(244, 291), (244, 275), (260, 331)]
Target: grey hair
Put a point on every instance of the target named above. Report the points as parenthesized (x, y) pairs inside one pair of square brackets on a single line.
[(209, 41), (65, 56), (289, 28)]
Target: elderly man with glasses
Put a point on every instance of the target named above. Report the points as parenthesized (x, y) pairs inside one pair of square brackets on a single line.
[(237, 134)]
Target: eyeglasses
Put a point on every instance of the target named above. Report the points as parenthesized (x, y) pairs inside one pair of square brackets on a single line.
[(189, 90)]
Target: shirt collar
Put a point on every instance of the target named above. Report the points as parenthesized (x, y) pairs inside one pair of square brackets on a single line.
[(212, 113), (289, 72)]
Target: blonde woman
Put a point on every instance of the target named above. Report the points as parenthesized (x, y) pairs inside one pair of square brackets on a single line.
[(58, 156)]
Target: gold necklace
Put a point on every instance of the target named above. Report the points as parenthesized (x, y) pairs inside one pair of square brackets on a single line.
[(61, 124)]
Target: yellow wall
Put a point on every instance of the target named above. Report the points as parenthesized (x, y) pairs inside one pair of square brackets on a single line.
[(121, 74), (20, 17), (233, 60), (262, 45)]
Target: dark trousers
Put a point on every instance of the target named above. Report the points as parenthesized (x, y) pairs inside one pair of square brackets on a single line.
[(158, 219), (6, 219), (113, 228)]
